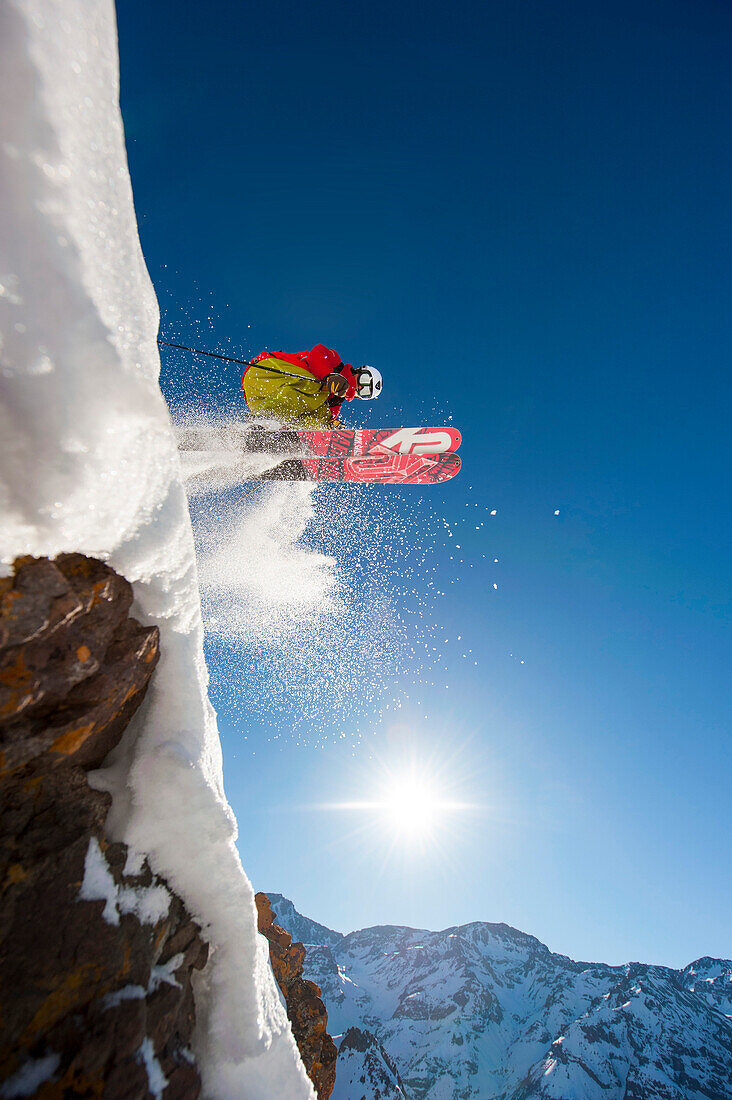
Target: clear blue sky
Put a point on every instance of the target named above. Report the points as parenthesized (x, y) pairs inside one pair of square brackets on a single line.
[(520, 213)]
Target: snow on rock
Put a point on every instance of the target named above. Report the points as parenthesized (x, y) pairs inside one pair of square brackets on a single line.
[(157, 1081), (98, 884), (30, 1077), (149, 903), (88, 463)]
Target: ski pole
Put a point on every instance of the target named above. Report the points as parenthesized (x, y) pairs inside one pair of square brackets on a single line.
[(245, 496), (244, 362)]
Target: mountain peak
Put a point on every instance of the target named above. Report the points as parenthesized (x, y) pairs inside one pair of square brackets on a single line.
[(302, 929), (483, 1011)]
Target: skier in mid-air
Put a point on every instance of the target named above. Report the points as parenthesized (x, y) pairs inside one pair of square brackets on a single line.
[(306, 389), (303, 392)]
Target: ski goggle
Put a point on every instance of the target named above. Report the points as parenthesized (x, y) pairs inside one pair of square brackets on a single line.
[(368, 383)]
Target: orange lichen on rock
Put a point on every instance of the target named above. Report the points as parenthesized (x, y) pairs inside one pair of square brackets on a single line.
[(73, 666), (69, 742), (305, 1009), (77, 984)]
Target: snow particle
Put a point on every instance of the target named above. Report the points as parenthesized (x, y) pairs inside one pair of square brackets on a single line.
[(42, 365)]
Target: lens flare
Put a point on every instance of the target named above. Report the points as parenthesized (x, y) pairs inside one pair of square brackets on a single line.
[(421, 798)]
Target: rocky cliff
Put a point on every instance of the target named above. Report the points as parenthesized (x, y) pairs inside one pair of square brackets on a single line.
[(305, 1009), (96, 952)]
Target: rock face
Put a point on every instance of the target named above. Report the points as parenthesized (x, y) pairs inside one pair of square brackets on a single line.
[(364, 1069), (485, 1012), (305, 1009), (302, 928), (96, 953)]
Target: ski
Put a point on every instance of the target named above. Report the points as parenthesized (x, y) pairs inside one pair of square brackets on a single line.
[(365, 441), (338, 442), (384, 468)]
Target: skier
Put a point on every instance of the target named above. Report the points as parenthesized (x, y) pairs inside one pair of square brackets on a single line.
[(304, 391), (272, 387)]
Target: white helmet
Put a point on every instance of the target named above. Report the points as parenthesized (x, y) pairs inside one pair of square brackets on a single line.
[(368, 382)]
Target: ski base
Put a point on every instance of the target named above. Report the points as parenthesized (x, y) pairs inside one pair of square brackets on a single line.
[(383, 469)]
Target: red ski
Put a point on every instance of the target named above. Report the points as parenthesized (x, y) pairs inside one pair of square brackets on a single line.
[(366, 441), (385, 468)]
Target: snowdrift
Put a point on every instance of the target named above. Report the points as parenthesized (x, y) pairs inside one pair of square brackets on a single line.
[(88, 463)]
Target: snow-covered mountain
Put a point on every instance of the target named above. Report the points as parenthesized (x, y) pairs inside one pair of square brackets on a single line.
[(364, 1070), (712, 980), (485, 1012)]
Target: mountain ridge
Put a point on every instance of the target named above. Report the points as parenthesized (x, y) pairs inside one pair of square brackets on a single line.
[(280, 899), (483, 1011)]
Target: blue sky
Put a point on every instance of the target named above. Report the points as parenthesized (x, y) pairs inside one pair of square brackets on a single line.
[(520, 213)]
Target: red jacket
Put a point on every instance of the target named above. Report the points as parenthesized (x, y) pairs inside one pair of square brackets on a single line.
[(320, 361)]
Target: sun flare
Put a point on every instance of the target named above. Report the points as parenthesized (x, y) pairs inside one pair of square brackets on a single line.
[(412, 807)]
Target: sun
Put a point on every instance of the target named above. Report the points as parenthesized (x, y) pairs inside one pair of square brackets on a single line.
[(412, 807), (412, 804)]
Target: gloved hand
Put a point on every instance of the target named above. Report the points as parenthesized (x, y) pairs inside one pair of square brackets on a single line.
[(335, 385)]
